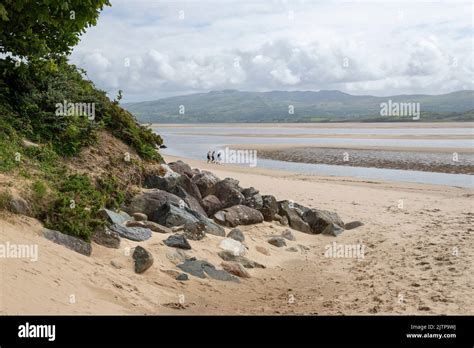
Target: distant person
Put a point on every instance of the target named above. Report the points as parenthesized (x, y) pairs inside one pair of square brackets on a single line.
[(213, 158), (208, 156), (218, 158)]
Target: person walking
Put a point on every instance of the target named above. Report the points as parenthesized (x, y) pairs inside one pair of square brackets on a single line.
[(208, 156), (219, 157), (213, 158)]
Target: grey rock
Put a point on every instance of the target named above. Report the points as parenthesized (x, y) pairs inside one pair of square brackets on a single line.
[(195, 230), (18, 205), (143, 259), (318, 220), (172, 215), (107, 238), (228, 192), (287, 234), (177, 241), (182, 277), (284, 221), (236, 269), (181, 168), (157, 227), (255, 201), (137, 234), (229, 256), (294, 215), (113, 217), (205, 181), (199, 268), (211, 204), (194, 204), (151, 200), (236, 234), (167, 183), (190, 187), (140, 217), (70, 242), (353, 224), (333, 230), (269, 207), (238, 215), (277, 241)]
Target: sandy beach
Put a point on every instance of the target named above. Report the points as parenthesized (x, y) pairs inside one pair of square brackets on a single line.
[(418, 259)]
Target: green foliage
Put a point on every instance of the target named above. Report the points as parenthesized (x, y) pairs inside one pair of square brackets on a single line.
[(52, 27)]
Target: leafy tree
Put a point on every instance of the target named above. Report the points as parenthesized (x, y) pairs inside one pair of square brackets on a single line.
[(45, 28)]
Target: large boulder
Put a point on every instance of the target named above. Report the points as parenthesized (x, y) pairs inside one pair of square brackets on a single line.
[(194, 230), (70, 242), (151, 200), (253, 198), (238, 215), (189, 186), (106, 237), (113, 217), (143, 259), (166, 182), (269, 207), (171, 215), (294, 213), (194, 204), (137, 234), (211, 204), (206, 182), (181, 168), (234, 246), (228, 192), (318, 220)]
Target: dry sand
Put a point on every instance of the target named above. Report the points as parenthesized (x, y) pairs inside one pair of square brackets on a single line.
[(418, 259)]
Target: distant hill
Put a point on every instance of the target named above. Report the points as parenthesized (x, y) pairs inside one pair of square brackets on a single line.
[(323, 106)]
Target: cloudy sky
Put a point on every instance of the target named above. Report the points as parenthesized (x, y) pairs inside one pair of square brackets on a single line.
[(153, 49)]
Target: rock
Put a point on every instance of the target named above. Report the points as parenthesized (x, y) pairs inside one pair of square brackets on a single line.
[(107, 238), (238, 215), (113, 217), (233, 246), (195, 230), (288, 235), (18, 205), (175, 229), (236, 269), (353, 224), (182, 277), (140, 217), (194, 204), (229, 256), (143, 259), (136, 234), (171, 215), (294, 216), (318, 220), (177, 241), (205, 181), (166, 182), (292, 249), (211, 204), (236, 234), (262, 250), (171, 272), (116, 264), (284, 220), (150, 201), (255, 202), (177, 256), (70, 242), (269, 207), (190, 187), (133, 223), (249, 192), (157, 227), (277, 241), (228, 192), (181, 168), (333, 230), (200, 268)]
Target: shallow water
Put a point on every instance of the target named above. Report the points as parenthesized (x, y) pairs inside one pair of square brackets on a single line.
[(196, 147)]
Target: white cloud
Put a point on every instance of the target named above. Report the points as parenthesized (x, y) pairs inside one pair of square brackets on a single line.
[(380, 48)]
